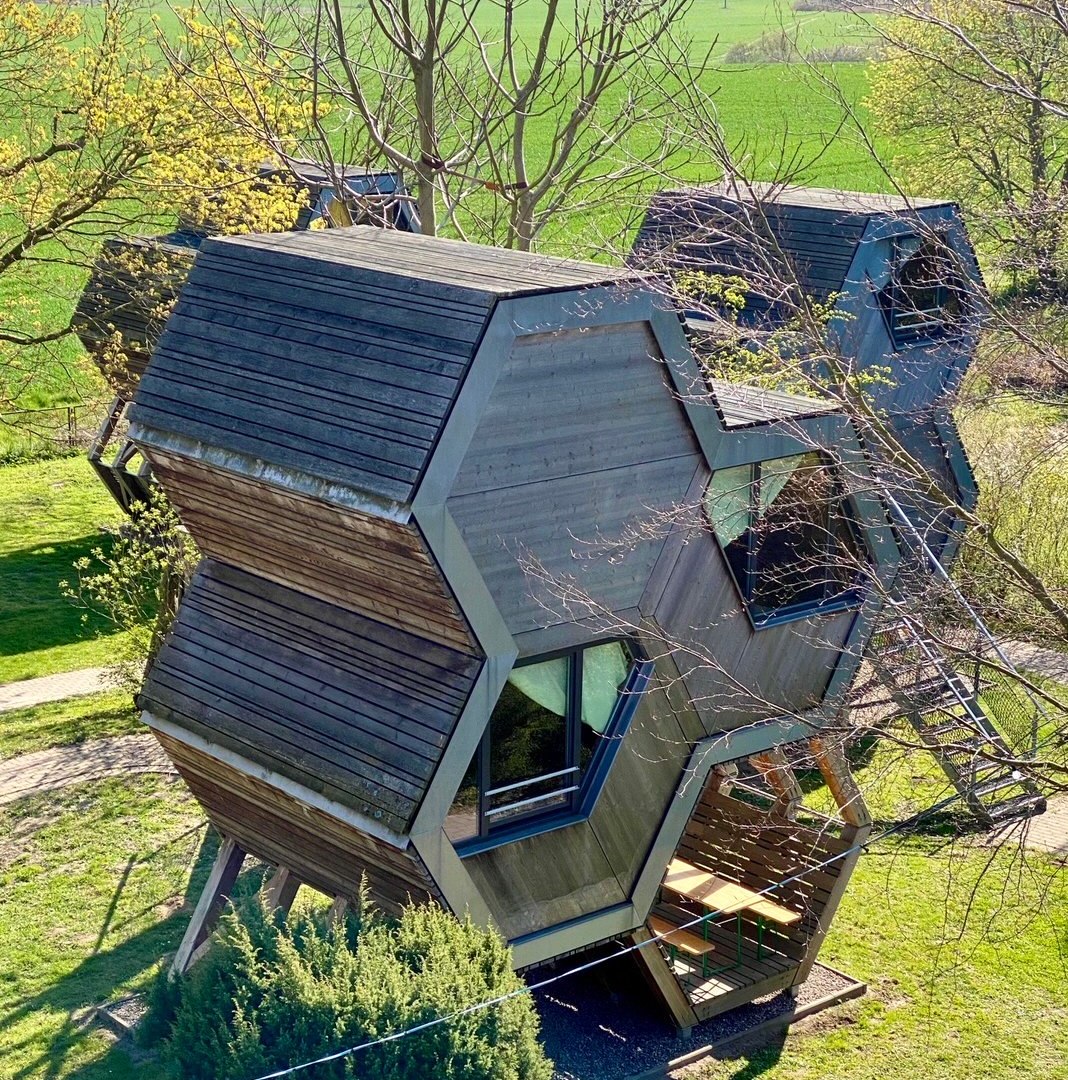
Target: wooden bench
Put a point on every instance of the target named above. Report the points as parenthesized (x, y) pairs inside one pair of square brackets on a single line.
[(726, 898), (681, 940)]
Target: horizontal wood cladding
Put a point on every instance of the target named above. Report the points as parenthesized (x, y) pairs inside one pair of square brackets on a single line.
[(451, 267), (545, 880), (130, 289), (351, 708), (280, 352), (576, 401), (319, 849), (742, 843), (378, 568), (733, 673), (597, 528)]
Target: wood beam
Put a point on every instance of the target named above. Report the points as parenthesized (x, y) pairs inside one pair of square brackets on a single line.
[(280, 890), (839, 779), (210, 906), (663, 982), (779, 776)]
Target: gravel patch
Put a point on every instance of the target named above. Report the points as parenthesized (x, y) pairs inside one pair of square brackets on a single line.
[(605, 1024)]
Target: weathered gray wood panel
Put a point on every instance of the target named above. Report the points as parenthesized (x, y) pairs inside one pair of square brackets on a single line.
[(644, 778), (562, 524), (544, 880), (376, 567), (340, 704), (572, 402), (733, 673), (319, 849)]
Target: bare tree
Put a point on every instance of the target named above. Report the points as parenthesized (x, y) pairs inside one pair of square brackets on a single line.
[(500, 113)]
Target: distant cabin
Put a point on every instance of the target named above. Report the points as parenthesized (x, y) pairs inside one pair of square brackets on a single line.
[(904, 282), (493, 612)]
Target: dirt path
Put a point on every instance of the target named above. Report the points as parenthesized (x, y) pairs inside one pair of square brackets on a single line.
[(68, 684), (97, 759)]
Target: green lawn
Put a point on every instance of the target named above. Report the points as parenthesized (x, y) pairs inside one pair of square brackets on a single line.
[(964, 952), (65, 723), (51, 513)]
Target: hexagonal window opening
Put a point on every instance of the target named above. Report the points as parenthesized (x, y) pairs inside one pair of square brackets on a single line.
[(926, 298), (549, 743), (789, 536)]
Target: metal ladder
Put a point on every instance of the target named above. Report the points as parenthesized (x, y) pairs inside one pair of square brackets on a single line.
[(947, 712)]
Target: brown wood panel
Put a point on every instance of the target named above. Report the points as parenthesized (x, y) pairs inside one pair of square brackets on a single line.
[(352, 708), (376, 567), (544, 880), (320, 850), (733, 673)]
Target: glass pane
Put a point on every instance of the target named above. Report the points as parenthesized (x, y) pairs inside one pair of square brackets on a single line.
[(462, 820), (728, 500), (802, 554), (604, 671), (528, 743)]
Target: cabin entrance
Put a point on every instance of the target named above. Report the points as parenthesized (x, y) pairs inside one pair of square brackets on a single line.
[(750, 892)]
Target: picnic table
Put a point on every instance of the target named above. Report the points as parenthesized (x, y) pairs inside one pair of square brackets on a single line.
[(723, 897)]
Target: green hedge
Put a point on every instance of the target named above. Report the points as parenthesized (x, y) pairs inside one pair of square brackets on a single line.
[(273, 993)]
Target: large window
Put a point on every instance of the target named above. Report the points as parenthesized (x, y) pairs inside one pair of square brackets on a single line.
[(549, 741), (786, 533), (925, 298)]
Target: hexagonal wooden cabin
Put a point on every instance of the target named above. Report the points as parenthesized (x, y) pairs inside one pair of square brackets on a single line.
[(481, 615), (905, 284)]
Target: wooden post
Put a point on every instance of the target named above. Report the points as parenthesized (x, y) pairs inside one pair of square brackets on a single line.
[(663, 982), (210, 906), (779, 776), (835, 769), (280, 890), (338, 909)]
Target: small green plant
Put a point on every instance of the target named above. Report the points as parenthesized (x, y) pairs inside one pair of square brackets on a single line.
[(276, 992), (137, 583)]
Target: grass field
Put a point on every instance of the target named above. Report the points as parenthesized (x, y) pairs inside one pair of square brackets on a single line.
[(66, 723), (51, 513), (964, 949)]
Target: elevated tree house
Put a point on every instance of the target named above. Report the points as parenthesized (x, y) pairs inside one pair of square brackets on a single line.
[(905, 291)]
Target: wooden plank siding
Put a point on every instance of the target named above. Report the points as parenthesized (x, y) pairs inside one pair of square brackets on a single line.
[(320, 850), (130, 286), (581, 441), (335, 370), (733, 673), (375, 567), (338, 703), (544, 880)]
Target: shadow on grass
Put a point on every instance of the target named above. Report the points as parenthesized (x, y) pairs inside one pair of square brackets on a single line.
[(754, 1057), (98, 978), (36, 614)]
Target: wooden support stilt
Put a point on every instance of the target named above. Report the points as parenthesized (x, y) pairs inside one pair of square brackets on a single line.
[(779, 776), (854, 812), (662, 980), (338, 909), (280, 890), (209, 907)]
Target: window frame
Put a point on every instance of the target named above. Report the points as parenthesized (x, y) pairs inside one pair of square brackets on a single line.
[(848, 598), (891, 299), (583, 798)]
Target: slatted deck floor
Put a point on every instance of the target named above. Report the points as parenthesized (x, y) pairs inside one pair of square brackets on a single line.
[(736, 983)]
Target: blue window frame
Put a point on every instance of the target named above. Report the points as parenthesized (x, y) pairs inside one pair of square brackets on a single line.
[(549, 743), (925, 300), (786, 532)]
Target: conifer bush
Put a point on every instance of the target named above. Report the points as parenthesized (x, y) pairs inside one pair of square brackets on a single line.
[(273, 993)]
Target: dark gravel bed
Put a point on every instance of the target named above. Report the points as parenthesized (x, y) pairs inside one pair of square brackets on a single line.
[(605, 1024)]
